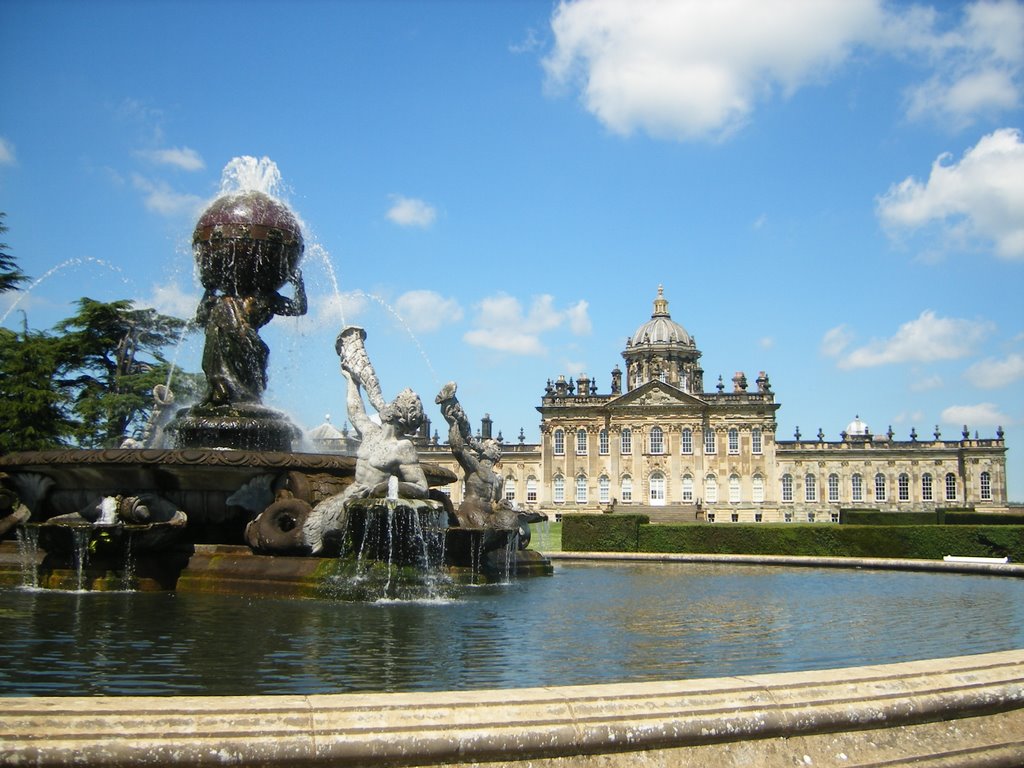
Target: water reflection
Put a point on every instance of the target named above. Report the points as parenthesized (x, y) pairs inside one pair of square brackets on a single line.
[(590, 623)]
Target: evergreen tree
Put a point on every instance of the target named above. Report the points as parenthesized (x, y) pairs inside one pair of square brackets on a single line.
[(33, 409), (10, 276), (110, 358)]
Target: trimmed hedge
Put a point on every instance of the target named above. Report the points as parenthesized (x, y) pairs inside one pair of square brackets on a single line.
[(876, 517), (970, 517), (601, 533), (929, 542)]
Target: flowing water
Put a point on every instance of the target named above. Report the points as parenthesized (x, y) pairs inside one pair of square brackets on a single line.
[(588, 624)]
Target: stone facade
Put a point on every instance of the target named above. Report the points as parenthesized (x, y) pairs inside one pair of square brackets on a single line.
[(658, 440)]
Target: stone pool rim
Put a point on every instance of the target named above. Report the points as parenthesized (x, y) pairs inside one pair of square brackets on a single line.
[(964, 710)]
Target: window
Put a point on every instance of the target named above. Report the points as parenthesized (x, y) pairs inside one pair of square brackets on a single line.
[(879, 487), (709, 441), (711, 489), (559, 490), (510, 489), (734, 441), (926, 487), (627, 488), (758, 489), (531, 490), (950, 486), (657, 440), (686, 441), (602, 442), (688, 489), (711, 517), (604, 489), (833, 488), (903, 486), (657, 489), (788, 518), (581, 442), (755, 440), (735, 517), (734, 489), (559, 439), (758, 517), (581, 489), (787, 487), (810, 488), (986, 486), (626, 441), (857, 488)]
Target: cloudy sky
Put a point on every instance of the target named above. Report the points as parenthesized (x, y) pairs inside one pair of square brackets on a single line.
[(829, 190)]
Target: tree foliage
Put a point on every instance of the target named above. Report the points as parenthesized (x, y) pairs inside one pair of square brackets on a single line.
[(10, 276), (90, 382), (111, 357)]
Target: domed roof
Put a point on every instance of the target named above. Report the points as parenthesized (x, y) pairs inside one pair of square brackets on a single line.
[(661, 328), (857, 427)]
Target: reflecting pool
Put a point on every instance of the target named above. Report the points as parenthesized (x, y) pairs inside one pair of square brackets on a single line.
[(590, 623)]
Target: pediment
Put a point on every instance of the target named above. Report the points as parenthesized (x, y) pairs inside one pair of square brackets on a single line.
[(657, 394)]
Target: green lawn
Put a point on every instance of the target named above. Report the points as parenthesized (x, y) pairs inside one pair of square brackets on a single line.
[(546, 537)]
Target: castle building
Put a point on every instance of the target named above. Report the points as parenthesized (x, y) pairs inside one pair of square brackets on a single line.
[(658, 440)]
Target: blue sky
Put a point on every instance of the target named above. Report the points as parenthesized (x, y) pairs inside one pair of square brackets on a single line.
[(832, 192)]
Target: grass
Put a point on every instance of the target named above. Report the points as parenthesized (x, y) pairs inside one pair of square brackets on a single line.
[(546, 537)]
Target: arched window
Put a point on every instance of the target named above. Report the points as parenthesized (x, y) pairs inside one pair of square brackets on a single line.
[(657, 489), (810, 487), (734, 489), (510, 489), (686, 441), (709, 441), (626, 441), (985, 481), (833, 488), (711, 489), (559, 442), (627, 488), (581, 489), (734, 441), (950, 486), (787, 487), (688, 489), (559, 490), (926, 487), (903, 486), (879, 487), (604, 489), (857, 488), (757, 489), (657, 440), (602, 442), (531, 490), (581, 442), (755, 440)]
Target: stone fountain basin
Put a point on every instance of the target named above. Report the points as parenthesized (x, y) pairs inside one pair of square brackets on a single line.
[(199, 481)]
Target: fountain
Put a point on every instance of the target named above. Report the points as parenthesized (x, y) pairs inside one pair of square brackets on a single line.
[(231, 477)]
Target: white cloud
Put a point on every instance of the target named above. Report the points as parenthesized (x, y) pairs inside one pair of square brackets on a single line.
[(160, 198), (180, 157), (426, 311), (6, 152), (993, 374), (766, 342), (926, 339), (171, 300), (835, 341), (337, 310), (502, 325), (411, 212), (980, 197), (927, 383), (980, 415), (693, 69), (978, 65)]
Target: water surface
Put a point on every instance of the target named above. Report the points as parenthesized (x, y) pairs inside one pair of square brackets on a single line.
[(590, 623)]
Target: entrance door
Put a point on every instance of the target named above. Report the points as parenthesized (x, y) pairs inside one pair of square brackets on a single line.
[(657, 490)]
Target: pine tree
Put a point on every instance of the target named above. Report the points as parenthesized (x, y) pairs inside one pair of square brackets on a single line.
[(10, 276)]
